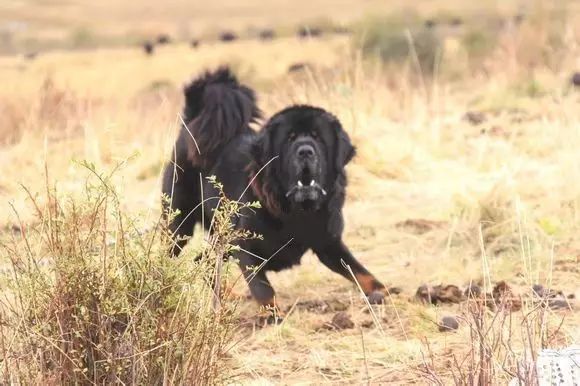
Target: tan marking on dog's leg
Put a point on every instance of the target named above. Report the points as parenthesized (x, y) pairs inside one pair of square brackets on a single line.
[(368, 283)]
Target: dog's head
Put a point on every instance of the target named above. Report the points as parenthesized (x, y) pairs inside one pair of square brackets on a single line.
[(307, 149)]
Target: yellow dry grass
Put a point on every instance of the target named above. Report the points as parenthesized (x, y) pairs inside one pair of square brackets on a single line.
[(504, 195)]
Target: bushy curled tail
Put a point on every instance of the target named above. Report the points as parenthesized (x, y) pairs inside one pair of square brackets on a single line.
[(217, 108)]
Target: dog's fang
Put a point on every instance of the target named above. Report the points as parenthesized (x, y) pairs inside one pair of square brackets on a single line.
[(312, 183), (300, 183), (323, 191)]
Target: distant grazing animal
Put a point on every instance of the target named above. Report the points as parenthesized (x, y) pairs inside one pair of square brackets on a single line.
[(430, 23), (456, 22), (163, 39), (31, 55), (297, 67), (148, 47), (294, 166), (266, 34), (228, 36), (342, 30), (519, 18), (575, 80), (305, 31)]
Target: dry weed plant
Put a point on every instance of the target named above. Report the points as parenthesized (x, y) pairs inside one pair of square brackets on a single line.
[(92, 297)]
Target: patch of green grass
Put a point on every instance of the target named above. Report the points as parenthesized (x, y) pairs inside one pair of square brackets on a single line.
[(82, 37), (399, 38)]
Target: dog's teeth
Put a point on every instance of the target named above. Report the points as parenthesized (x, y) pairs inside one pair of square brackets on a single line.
[(312, 183), (299, 183), (323, 192)]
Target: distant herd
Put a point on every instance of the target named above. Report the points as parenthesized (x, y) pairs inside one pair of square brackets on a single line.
[(227, 36), (303, 32)]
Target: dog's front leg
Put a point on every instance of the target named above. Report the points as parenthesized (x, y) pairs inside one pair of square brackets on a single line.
[(339, 259)]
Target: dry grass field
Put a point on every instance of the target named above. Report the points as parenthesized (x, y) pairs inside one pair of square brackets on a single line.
[(466, 174)]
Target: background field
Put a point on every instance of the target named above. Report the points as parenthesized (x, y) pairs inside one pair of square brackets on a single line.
[(466, 171)]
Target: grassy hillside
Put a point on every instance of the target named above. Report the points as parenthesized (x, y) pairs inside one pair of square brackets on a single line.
[(38, 25)]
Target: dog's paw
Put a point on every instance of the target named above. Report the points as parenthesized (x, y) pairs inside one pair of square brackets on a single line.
[(270, 316), (376, 297)]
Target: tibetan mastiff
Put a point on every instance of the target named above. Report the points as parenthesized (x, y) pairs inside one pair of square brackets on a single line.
[(294, 166)]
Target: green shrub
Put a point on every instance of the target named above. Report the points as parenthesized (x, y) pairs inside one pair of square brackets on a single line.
[(82, 37), (399, 38), (92, 297), (479, 42)]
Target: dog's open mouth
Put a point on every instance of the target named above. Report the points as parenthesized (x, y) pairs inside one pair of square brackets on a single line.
[(302, 193)]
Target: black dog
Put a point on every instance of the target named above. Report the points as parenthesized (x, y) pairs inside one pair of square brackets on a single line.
[(294, 166)]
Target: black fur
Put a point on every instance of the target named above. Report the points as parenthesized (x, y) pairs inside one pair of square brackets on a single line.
[(301, 152)]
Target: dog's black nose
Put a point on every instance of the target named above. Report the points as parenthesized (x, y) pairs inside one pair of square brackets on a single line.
[(306, 151)]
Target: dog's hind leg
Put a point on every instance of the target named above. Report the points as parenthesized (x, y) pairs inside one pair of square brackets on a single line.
[(183, 191)]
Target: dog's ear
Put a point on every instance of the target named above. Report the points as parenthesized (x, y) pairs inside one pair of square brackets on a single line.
[(261, 148), (345, 151)]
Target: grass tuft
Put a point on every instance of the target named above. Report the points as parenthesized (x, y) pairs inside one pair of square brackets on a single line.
[(92, 297)]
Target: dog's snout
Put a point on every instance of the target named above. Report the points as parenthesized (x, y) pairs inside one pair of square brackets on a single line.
[(305, 151)]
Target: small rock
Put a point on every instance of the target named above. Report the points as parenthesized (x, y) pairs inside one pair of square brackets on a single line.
[(315, 306), (559, 304), (448, 293), (426, 294), (475, 117), (538, 290), (472, 291), (502, 294), (501, 289), (342, 321), (395, 290), (367, 324), (337, 305), (546, 293), (420, 226), (448, 323)]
